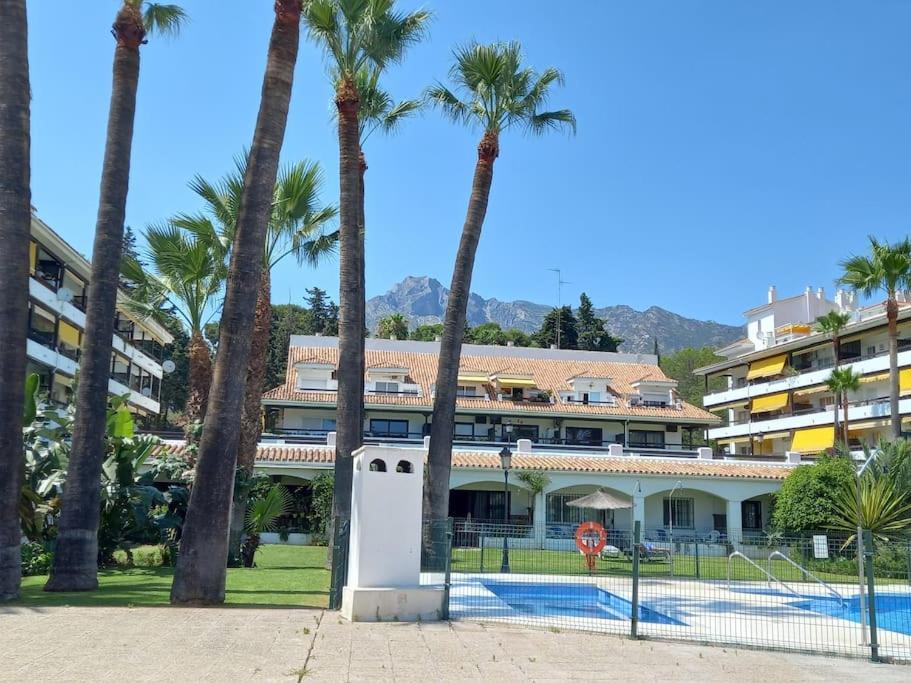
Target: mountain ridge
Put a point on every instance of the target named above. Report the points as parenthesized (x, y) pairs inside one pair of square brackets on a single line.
[(422, 299)]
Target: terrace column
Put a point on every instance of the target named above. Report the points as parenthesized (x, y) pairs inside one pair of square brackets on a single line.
[(639, 511), (735, 522), (540, 518)]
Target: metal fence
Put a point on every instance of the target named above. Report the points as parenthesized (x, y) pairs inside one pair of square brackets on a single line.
[(788, 593)]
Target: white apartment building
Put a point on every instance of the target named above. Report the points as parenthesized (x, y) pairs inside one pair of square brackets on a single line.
[(57, 289), (774, 399)]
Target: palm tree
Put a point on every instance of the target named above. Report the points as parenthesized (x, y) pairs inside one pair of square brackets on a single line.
[(499, 93), (187, 256), (393, 326), (883, 508), (888, 269), (15, 226), (296, 227), (75, 564), (356, 35), (841, 382), (832, 324), (199, 577)]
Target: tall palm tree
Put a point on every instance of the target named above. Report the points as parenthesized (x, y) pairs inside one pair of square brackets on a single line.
[(296, 228), (356, 35), (15, 225), (199, 577), (499, 93), (75, 565), (842, 382), (887, 269), (832, 324), (187, 260)]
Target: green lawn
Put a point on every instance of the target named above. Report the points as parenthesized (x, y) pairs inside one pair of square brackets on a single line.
[(524, 561), (286, 576)]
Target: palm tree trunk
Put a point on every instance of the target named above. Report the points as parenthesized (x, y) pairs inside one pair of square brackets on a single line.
[(350, 401), (844, 427), (200, 362), (892, 316), (436, 490), (199, 577), (15, 223), (251, 425), (75, 566)]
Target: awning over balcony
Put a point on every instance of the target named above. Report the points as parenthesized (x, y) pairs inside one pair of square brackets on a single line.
[(510, 382), (904, 381), (812, 390), (767, 367), (813, 440), (472, 378), (767, 404), (68, 334), (874, 378)]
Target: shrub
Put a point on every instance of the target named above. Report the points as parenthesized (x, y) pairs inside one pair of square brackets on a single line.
[(807, 500), (321, 507), (36, 559)]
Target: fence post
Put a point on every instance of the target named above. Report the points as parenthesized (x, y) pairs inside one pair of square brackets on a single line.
[(696, 546), (634, 605), (871, 594), (448, 579), (481, 540)]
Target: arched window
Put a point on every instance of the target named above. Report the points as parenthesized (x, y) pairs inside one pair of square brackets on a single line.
[(378, 465), (404, 466)]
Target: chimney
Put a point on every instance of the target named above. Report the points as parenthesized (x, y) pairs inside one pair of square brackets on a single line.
[(821, 294), (392, 337), (553, 346), (510, 343), (523, 446), (437, 338), (772, 294)]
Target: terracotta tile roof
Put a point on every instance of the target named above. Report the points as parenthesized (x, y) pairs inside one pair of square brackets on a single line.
[(548, 374), (673, 467)]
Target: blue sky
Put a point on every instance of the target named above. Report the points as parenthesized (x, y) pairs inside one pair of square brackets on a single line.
[(722, 145)]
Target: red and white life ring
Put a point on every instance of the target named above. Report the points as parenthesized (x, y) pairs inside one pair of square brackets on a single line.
[(590, 538)]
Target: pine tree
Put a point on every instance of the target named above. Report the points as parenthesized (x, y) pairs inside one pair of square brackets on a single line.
[(569, 329), (592, 333)]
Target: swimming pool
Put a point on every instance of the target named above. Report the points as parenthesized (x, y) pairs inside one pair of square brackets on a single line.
[(581, 600), (893, 610)]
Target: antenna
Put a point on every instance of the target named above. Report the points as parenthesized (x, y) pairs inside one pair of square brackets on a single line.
[(560, 283)]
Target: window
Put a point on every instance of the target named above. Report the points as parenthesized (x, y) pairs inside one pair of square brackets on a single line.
[(48, 269), (42, 326), (751, 514), (328, 424), (464, 429), (646, 439), (466, 391), (521, 432), (678, 511), (77, 286), (387, 387), (591, 397), (584, 436), (389, 428), (68, 340), (120, 369), (559, 511)]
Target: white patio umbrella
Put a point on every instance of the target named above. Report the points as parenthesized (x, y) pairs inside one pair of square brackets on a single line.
[(602, 500)]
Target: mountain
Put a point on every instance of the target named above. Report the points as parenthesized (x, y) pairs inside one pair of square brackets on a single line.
[(423, 301)]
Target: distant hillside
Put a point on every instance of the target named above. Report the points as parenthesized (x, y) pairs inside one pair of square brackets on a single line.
[(423, 301)]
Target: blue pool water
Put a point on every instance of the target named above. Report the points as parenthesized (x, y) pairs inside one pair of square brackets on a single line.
[(893, 610), (582, 600)]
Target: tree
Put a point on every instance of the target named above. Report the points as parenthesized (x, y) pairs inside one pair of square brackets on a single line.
[(808, 495), (842, 382), (546, 336), (296, 227), (393, 326), (199, 577), (592, 333), (884, 509), (535, 481), (832, 324), (356, 35), (75, 566), (261, 517), (517, 337), (887, 269), (323, 313), (499, 93), (680, 366), (427, 332), (490, 334), (15, 228), (186, 272)]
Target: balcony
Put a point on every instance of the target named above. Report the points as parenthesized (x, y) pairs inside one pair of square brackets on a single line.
[(864, 365)]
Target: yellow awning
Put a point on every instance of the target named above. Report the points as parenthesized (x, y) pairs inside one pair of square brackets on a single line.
[(862, 426), (904, 381), (813, 440), (776, 435), (766, 404), (468, 378), (69, 335), (32, 257), (812, 390), (510, 382), (767, 367), (734, 441), (874, 378)]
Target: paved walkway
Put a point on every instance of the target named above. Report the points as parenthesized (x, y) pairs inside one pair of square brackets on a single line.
[(146, 644)]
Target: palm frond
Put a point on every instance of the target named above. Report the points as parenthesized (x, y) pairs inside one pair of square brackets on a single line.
[(313, 250), (163, 20), (551, 120), (265, 512)]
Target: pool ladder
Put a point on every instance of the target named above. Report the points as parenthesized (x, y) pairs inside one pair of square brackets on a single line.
[(806, 572), (770, 577)]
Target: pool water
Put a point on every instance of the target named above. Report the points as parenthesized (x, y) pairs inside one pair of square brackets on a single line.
[(580, 600), (893, 610)]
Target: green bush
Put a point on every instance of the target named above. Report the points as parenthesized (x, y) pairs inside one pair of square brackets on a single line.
[(807, 500), (36, 559), (143, 556)]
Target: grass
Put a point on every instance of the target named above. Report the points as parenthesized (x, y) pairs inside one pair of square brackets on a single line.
[(525, 561), (286, 576)]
